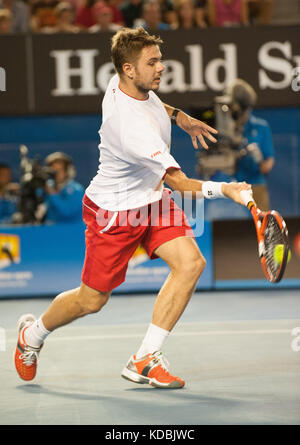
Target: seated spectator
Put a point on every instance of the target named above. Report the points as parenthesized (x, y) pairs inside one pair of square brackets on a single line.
[(117, 13), (132, 12), (228, 12), (152, 17), (20, 15), (103, 16), (168, 13), (84, 16), (65, 18), (260, 11), (5, 21), (200, 11), (43, 16), (76, 4), (64, 194), (186, 14), (7, 201)]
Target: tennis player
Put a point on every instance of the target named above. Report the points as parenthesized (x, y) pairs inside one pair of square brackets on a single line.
[(135, 162)]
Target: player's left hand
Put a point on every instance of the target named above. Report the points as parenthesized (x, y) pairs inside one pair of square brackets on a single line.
[(196, 129)]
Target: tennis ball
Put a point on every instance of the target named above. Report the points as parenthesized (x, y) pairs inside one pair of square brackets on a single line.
[(278, 253)]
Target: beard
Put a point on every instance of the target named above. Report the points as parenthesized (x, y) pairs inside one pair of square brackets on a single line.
[(145, 87)]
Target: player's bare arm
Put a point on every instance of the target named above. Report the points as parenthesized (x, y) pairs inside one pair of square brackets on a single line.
[(194, 127), (178, 181)]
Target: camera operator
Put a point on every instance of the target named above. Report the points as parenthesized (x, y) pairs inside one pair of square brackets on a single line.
[(7, 195), (63, 194), (257, 157)]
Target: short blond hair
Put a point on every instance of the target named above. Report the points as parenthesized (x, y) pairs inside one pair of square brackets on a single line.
[(127, 44)]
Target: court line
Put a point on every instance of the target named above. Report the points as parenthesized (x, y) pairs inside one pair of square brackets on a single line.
[(174, 334), (98, 337)]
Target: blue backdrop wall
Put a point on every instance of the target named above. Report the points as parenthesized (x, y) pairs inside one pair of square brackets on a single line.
[(78, 136)]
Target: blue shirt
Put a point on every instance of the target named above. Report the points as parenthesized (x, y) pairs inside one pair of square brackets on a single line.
[(7, 209), (257, 131), (65, 206), (160, 27)]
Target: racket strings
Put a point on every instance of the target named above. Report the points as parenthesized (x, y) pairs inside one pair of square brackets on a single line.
[(272, 237)]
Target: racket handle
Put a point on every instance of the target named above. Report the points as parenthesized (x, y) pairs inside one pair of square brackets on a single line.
[(247, 197)]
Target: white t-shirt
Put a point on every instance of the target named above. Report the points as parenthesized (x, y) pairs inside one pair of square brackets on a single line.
[(134, 151)]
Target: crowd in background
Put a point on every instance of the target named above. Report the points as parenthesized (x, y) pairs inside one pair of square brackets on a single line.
[(74, 16)]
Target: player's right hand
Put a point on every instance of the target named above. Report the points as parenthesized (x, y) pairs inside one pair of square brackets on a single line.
[(232, 190)]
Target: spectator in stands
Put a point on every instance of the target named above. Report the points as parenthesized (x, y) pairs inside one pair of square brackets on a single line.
[(200, 11), (5, 21), (117, 13), (152, 17), (132, 12), (65, 18), (168, 13), (228, 12), (43, 16), (103, 16), (186, 14), (84, 17), (7, 201), (260, 11), (64, 194), (20, 15)]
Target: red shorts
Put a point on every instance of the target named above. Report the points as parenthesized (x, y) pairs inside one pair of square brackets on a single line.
[(111, 238)]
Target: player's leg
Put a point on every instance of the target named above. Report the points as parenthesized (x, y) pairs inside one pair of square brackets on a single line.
[(65, 308), (187, 263), (73, 304)]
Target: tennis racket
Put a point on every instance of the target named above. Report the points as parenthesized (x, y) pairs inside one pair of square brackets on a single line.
[(271, 231)]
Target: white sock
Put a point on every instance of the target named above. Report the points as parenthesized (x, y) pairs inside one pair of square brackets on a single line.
[(153, 341), (36, 334)]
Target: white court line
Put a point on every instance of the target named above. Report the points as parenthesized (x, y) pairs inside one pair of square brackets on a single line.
[(174, 334)]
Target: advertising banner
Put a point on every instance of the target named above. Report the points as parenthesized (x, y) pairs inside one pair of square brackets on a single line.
[(65, 73), (15, 80), (38, 261)]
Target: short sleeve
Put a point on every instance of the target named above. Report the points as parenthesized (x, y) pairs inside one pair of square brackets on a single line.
[(147, 148)]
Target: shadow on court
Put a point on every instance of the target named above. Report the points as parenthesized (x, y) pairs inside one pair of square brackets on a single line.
[(149, 405)]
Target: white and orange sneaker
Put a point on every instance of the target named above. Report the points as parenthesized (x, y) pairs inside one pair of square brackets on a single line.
[(152, 369), (26, 356)]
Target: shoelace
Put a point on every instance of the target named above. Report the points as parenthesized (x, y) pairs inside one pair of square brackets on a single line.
[(29, 357), (163, 361)]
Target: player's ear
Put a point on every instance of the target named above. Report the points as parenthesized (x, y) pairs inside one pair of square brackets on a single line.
[(128, 70)]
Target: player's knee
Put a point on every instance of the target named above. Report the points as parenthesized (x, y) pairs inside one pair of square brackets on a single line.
[(192, 266), (94, 303), (198, 266)]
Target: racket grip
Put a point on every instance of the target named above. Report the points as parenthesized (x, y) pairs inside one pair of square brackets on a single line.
[(247, 196)]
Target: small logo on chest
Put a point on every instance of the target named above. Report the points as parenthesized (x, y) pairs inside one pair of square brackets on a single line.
[(155, 154)]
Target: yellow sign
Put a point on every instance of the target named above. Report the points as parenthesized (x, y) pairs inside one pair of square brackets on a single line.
[(139, 256), (9, 249)]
